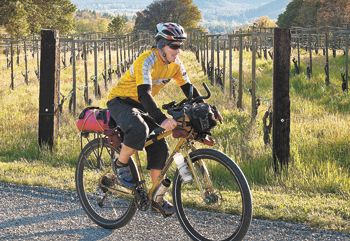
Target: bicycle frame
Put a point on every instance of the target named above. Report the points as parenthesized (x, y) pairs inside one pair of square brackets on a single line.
[(183, 143)]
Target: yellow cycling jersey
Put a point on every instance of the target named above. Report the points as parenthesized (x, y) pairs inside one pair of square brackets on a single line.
[(149, 68)]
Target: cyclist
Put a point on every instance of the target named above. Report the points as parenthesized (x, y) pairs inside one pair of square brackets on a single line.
[(134, 109)]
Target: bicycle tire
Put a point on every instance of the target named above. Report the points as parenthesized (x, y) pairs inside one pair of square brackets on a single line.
[(89, 198), (199, 219)]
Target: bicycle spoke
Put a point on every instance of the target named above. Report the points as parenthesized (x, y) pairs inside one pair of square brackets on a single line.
[(216, 207), (97, 191)]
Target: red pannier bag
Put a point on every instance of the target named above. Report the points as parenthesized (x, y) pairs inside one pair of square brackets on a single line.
[(93, 119)]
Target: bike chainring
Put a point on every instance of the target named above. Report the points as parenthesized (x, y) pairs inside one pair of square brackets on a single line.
[(141, 198)]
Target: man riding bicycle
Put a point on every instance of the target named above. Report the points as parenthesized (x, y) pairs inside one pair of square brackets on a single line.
[(133, 108)]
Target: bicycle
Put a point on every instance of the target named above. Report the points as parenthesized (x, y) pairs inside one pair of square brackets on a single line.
[(218, 192)]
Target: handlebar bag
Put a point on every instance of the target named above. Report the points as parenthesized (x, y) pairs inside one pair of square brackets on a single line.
[(201, 117)]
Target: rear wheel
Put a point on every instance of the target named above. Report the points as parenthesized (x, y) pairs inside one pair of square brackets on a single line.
[(221, 210), (95, 172)]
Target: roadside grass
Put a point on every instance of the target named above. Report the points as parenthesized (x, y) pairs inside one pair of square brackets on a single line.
[(314, 191)]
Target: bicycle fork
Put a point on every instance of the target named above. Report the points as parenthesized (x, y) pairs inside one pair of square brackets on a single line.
[(206, 187)]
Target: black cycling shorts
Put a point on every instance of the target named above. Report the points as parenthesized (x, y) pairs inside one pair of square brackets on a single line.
[(136, 128)]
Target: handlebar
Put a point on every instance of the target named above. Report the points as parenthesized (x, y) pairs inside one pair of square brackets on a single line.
[(190, 100), (198, 98)]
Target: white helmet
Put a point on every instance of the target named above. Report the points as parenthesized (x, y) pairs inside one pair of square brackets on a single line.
[(170, 32)]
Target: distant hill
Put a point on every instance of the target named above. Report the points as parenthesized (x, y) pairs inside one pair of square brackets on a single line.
[(223, 13)]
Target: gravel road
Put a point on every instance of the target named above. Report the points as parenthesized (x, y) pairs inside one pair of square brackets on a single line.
[(37, 213)]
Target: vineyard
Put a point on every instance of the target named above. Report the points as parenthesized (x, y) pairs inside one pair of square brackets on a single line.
[(239, 67)]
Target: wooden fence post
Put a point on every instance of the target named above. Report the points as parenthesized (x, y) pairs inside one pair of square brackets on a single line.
[(347, 61), (110, 76), (230, 66), (217, 59), (18, 50), (207, 53), (124, 49), (86, 86), (240, 86), (224, 68), (204, 53), (25, 62), (12, 86), (281, 102), (105, 64), (37, 58), (310, 52), (121, 53), (49, 88), (96, 71), (212, 60), (117, 55), (128, 43), (64, 54), (74, 87), (326, 68), (254, 105), (298, 46)]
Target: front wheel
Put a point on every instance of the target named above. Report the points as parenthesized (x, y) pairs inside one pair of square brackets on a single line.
[(219, 205)]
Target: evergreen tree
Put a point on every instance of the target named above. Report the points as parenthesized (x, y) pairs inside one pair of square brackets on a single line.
[(287, 19), (117, 25)]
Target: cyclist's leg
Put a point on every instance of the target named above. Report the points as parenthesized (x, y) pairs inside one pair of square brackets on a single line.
[(157, 154), (131, 122), (135, 132)]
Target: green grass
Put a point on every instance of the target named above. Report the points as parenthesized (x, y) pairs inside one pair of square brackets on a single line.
[(315, 190)]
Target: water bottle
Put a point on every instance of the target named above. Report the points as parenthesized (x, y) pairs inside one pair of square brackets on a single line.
[(161, 190), (182, 167)]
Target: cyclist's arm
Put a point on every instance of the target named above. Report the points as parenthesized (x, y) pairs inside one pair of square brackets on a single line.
[(183, 80), (186, 89), (142, 69), (146, 99)]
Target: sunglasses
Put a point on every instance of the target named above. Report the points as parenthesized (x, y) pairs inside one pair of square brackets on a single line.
[(175, 46)]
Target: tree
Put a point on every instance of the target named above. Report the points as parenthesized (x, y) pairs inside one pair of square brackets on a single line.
[(183, 12), (117, 25), (22, 17), (17, 25), (264, 22), (286, 19), (308, 13), (333, 13), (90, 21), (315, 13)]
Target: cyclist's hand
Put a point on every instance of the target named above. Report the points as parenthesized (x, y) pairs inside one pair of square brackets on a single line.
[(169, 124)]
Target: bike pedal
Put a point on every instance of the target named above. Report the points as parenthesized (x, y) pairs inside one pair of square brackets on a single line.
[(158, 209)]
